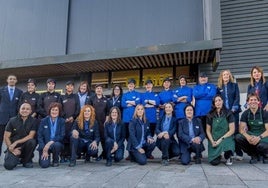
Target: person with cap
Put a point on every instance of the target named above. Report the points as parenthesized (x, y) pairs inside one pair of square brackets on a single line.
[(9, 103), (50, 136), (182, 96), (130, 100), (30, 96), (19, 138), (47, 98), (150, 101), (203, 93), (71, 109), (165, 96), (100, 104)]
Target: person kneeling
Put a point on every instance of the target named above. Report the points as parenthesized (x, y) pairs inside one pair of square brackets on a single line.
[(140, 143)]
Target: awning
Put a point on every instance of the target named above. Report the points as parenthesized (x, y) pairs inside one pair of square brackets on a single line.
[(180, 54)]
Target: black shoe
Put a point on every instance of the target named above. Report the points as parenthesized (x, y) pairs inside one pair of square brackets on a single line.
[(56, 164), (99, 158), (87, 160), (109, 163), (72, 163), (253, 160), (28, 165), (265, 160)]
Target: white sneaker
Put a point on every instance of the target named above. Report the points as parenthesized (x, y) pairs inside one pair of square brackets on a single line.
[(239, 158), (229, 161)]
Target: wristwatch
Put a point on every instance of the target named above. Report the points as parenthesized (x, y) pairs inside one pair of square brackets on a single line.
[(261, 137)]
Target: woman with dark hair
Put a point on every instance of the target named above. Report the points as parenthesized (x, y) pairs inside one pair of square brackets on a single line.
[(116, 97), (114, 134), (140, 143), (220, 130), (182, 96), (84, 93), (85, 135), (191, 136), (259, 86), (50, 136), (165, 130)]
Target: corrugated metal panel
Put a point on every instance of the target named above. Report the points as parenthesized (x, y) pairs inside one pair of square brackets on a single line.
[(245, 37)]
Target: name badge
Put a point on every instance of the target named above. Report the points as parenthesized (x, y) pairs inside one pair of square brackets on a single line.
[(45, 126)]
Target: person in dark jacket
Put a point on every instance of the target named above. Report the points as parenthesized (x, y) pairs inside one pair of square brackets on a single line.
[(50, 136), (71, 109), (114, 134), (259, 86), (116, 97), (165, 130), (140, 144), (31, 97), (84, 93), (47, 98), (229, 91), (85, 135), (9, 101), (191, 136), (19, 138)]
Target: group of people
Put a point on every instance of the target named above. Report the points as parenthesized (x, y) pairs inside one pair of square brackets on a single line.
[(71, 126)]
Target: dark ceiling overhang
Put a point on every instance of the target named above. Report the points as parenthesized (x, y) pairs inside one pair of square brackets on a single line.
[(179, 54)]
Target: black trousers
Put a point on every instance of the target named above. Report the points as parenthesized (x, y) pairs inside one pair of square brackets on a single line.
[(252, 150)]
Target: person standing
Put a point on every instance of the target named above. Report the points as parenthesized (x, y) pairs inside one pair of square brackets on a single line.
[(165, 96), (259, 86), (100, 104), (220, 130), (203, 95), (182, 96), (71, 109), (116, 97), (191, 136), (150, 101), (165, 130), (229, 91), (253, 137), (9, 104), (115, 135), (50, 136), (140, 144), (31, 97), (84, 93), (19, 138), (47, 98)]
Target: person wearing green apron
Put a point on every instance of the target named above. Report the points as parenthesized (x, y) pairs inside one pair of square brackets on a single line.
[(220, 129), (253, 137)]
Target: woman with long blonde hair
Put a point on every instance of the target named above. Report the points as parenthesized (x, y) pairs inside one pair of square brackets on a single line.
[(229, 91), (85, 135), (140, 143)]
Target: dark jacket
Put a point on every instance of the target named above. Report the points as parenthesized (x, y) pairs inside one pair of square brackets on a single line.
[(172, 128), (263, 92), (92, 135), (8, 108), (44, 132), (135, 133), (183, 132), (120, 133)]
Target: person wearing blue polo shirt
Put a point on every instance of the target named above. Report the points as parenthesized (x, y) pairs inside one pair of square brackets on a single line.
[(203, 94), (165, 96), (182, 95), (150, 101)]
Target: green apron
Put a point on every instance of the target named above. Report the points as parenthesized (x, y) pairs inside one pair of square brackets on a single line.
[(220, 126), (257, 127)]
